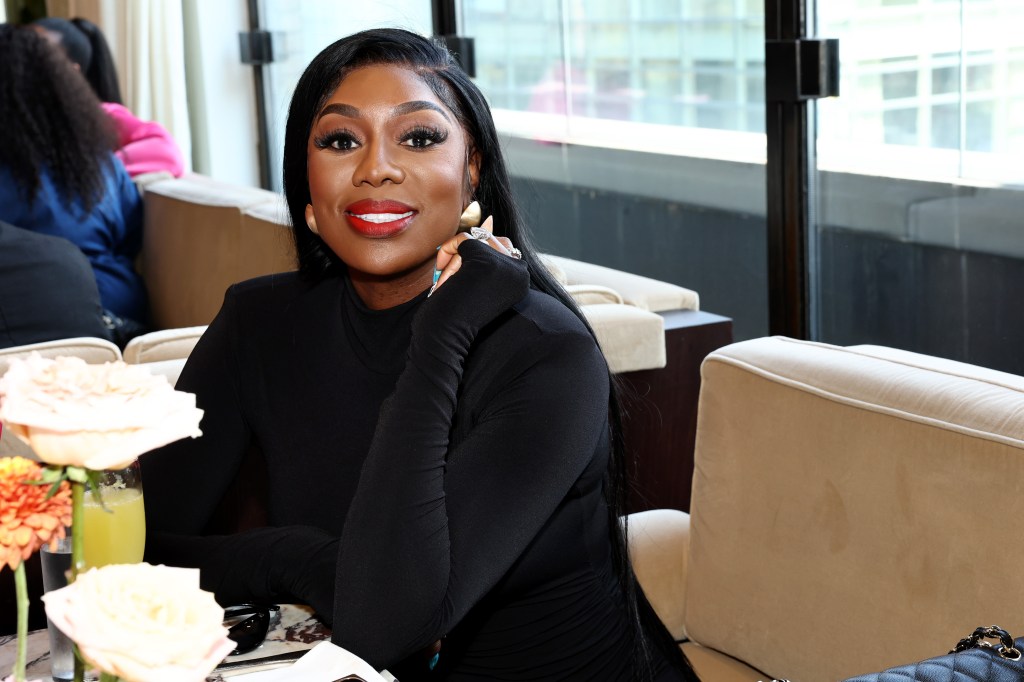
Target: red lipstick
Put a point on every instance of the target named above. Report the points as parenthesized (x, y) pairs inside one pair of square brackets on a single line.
[(379, 218)]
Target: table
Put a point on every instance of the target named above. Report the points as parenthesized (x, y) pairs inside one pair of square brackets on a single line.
[(297, 630), (660, 406)]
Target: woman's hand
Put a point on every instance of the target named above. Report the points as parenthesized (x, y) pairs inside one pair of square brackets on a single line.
[(491, 279), (449, 261)]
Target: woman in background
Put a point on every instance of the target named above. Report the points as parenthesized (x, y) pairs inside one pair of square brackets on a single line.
[(445, 485), (143, 146), (58, 175)]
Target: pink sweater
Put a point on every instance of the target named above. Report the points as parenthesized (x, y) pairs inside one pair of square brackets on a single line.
[(145, 146)]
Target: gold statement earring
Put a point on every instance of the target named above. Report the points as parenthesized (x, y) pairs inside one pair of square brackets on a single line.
[(311, 220), (470, 217)]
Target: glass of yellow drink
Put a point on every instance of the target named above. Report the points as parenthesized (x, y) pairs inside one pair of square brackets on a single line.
[(115, 534)]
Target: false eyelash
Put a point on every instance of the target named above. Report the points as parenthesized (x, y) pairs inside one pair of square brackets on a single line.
[(325, 140), (435, 135)]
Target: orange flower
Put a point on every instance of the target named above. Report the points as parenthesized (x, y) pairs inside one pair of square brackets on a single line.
[(27, 519)]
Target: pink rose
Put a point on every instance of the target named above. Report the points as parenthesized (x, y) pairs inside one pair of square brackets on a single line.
[(142, 623), (93, 416)]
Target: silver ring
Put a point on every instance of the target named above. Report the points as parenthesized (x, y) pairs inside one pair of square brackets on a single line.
[(515, 253), (480, 234)]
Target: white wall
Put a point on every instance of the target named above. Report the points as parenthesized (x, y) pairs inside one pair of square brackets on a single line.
[(221, 92)]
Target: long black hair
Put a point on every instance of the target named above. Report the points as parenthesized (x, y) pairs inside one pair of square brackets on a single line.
[(435, 65), (50, 121), (85, 45)]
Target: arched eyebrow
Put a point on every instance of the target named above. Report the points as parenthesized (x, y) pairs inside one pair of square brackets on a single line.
[(346, 110), (418, 105), (350, 111)]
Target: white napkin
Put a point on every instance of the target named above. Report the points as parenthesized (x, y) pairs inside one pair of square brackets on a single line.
[(326, 662)]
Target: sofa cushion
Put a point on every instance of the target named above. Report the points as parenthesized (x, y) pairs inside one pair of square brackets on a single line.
[(630, 338), (852, 505), (589, 294), (268, 239), (659, 542), (643, 292), (554, 269), (192, 246)]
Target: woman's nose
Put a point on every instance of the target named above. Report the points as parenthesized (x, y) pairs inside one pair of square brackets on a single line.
[(377, 166)]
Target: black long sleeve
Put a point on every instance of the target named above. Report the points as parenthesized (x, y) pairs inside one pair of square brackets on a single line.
[(435, 470), (184, 482), (461, 516)]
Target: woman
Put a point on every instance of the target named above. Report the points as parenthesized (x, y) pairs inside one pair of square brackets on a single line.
[(142, 146), (452, 449), (58, 175)]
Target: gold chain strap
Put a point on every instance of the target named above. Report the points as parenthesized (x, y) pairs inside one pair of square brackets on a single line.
[(979, 639)]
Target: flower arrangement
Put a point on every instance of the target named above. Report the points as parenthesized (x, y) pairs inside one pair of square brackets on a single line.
[(30, 517), (93, 416), (142, 623), (80, 419)]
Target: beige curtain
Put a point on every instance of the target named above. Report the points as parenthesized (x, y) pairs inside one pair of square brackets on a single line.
[(147, 39)]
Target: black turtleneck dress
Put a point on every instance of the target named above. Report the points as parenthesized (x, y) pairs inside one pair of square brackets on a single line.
[(435, 473)]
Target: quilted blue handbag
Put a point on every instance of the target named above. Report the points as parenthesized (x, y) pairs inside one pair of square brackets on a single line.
[(988, 655)]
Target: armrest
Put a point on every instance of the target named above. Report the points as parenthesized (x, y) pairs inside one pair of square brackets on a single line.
[(643, 292), (163, 345), (92, 350), (659, 542), (630, 338)]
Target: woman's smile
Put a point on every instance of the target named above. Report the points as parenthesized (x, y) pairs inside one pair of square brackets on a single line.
[(379, 219)]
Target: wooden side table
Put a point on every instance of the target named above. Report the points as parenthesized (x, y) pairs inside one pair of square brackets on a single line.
[(660, 411)]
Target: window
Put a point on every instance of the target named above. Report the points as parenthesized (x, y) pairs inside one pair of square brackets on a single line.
[(980, 77), (899, 84), (945, 126), (900, 126), (696, 63), (945, 79)]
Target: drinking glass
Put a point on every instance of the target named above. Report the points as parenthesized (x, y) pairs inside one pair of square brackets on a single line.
[(55, 569), (115, 534)]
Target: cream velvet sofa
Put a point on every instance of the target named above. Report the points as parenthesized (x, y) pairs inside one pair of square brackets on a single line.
[(202, 235), (853, 509)]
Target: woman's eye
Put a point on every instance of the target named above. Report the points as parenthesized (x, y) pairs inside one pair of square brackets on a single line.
[(339, 140), (421, 138)]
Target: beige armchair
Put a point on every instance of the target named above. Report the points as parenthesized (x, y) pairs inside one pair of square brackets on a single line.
[(853, 509)]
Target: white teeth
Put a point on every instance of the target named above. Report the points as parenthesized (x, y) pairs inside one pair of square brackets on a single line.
[(382, 217)]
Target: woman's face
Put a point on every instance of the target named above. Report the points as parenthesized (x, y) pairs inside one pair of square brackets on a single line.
[(388, 167)]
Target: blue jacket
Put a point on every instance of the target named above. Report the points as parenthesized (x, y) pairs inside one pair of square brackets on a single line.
[(110, 235)]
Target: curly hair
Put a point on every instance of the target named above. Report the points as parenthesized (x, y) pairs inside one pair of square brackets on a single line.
[(51, 122), (84, 44)]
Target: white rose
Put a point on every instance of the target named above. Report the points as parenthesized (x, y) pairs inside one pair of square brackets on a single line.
[(93, 416), (142, 623)]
